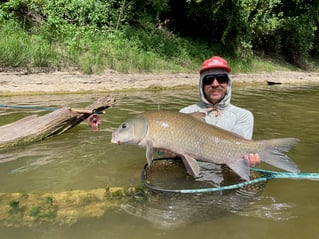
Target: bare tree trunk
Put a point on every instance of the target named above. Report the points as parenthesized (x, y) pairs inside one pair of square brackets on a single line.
[(35, 128)]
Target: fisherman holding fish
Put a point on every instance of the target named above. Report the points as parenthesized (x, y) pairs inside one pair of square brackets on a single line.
[(212, 131), (214, 102)]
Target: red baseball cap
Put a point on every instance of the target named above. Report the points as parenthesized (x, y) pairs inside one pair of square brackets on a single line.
[(215, 62)]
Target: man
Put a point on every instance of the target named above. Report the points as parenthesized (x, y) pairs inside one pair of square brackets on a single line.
[(214, 102)]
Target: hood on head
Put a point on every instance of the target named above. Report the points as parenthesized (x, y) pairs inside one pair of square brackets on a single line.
[(226, 100)]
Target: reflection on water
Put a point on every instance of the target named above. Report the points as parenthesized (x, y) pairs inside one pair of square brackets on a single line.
[(268, 208), (83, 159)]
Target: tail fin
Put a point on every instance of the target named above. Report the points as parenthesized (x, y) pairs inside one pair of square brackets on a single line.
[(274, 153)]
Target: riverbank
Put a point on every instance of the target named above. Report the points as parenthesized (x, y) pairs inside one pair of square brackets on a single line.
[(21, 83)]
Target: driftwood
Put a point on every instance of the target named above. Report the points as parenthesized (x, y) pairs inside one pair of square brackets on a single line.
[(35, 128), (31, 209)]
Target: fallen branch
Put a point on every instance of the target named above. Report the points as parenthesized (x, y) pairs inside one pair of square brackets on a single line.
[(35, 128), (84, 111)]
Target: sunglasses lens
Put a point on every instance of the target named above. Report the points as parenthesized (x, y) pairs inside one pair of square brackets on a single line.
[(208, 80), (221, 78)]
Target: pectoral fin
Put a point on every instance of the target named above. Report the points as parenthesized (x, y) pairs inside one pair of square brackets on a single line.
[(191, 165), (241, 167), (149, 153)]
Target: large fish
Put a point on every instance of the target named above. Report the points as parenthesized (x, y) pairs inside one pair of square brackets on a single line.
[(193, 139)]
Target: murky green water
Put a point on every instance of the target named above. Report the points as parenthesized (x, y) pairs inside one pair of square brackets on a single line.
[(83, 159)]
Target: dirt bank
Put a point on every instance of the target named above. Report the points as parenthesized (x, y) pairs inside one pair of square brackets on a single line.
[(72, 82)]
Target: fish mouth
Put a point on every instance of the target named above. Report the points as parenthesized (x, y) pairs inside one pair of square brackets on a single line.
[(114, 140)]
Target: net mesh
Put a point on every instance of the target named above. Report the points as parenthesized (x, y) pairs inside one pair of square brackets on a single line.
[(169, 174)]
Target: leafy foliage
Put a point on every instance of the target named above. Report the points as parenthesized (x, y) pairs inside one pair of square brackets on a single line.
[(96, 14), (275, 27), (96, 34)]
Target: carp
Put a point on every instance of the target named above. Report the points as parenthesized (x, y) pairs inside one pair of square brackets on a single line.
[(194, 140)]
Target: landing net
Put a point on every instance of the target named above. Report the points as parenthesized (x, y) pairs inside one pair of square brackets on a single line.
[(169, 175)]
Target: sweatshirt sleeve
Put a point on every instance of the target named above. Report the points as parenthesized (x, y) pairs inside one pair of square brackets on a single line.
[(244, 124)]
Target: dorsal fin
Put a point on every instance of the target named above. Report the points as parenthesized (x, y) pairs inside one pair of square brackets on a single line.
[(198, 115)]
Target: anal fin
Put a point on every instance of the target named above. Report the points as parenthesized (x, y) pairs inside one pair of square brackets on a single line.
[(240, 167)]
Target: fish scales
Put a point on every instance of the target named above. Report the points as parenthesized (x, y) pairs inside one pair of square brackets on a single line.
[(180, 132), (193, 139)]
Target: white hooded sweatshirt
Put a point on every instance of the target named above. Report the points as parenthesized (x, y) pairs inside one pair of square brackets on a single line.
[(225, 115)]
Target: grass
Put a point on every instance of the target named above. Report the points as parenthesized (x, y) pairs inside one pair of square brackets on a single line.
[(261, 65), (127, 51), (18, 48)]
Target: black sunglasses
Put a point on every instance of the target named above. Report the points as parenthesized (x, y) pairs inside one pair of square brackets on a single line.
[(221, 78)]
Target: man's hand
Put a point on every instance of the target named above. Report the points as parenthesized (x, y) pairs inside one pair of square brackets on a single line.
[(253, 159)]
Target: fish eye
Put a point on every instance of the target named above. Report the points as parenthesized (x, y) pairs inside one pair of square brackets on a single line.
[(124, 126)]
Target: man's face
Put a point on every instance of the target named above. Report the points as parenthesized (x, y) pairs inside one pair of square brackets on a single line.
[(215, 87)]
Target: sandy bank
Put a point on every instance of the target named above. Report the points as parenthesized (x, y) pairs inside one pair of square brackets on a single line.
[(72, 82)]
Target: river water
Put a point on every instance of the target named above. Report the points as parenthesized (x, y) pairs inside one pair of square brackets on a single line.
[(82, 159)]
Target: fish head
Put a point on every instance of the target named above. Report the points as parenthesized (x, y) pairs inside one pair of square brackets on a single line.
[(132, 131)]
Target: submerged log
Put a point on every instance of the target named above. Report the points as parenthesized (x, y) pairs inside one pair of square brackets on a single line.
[(35, 128), (32, 209)]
